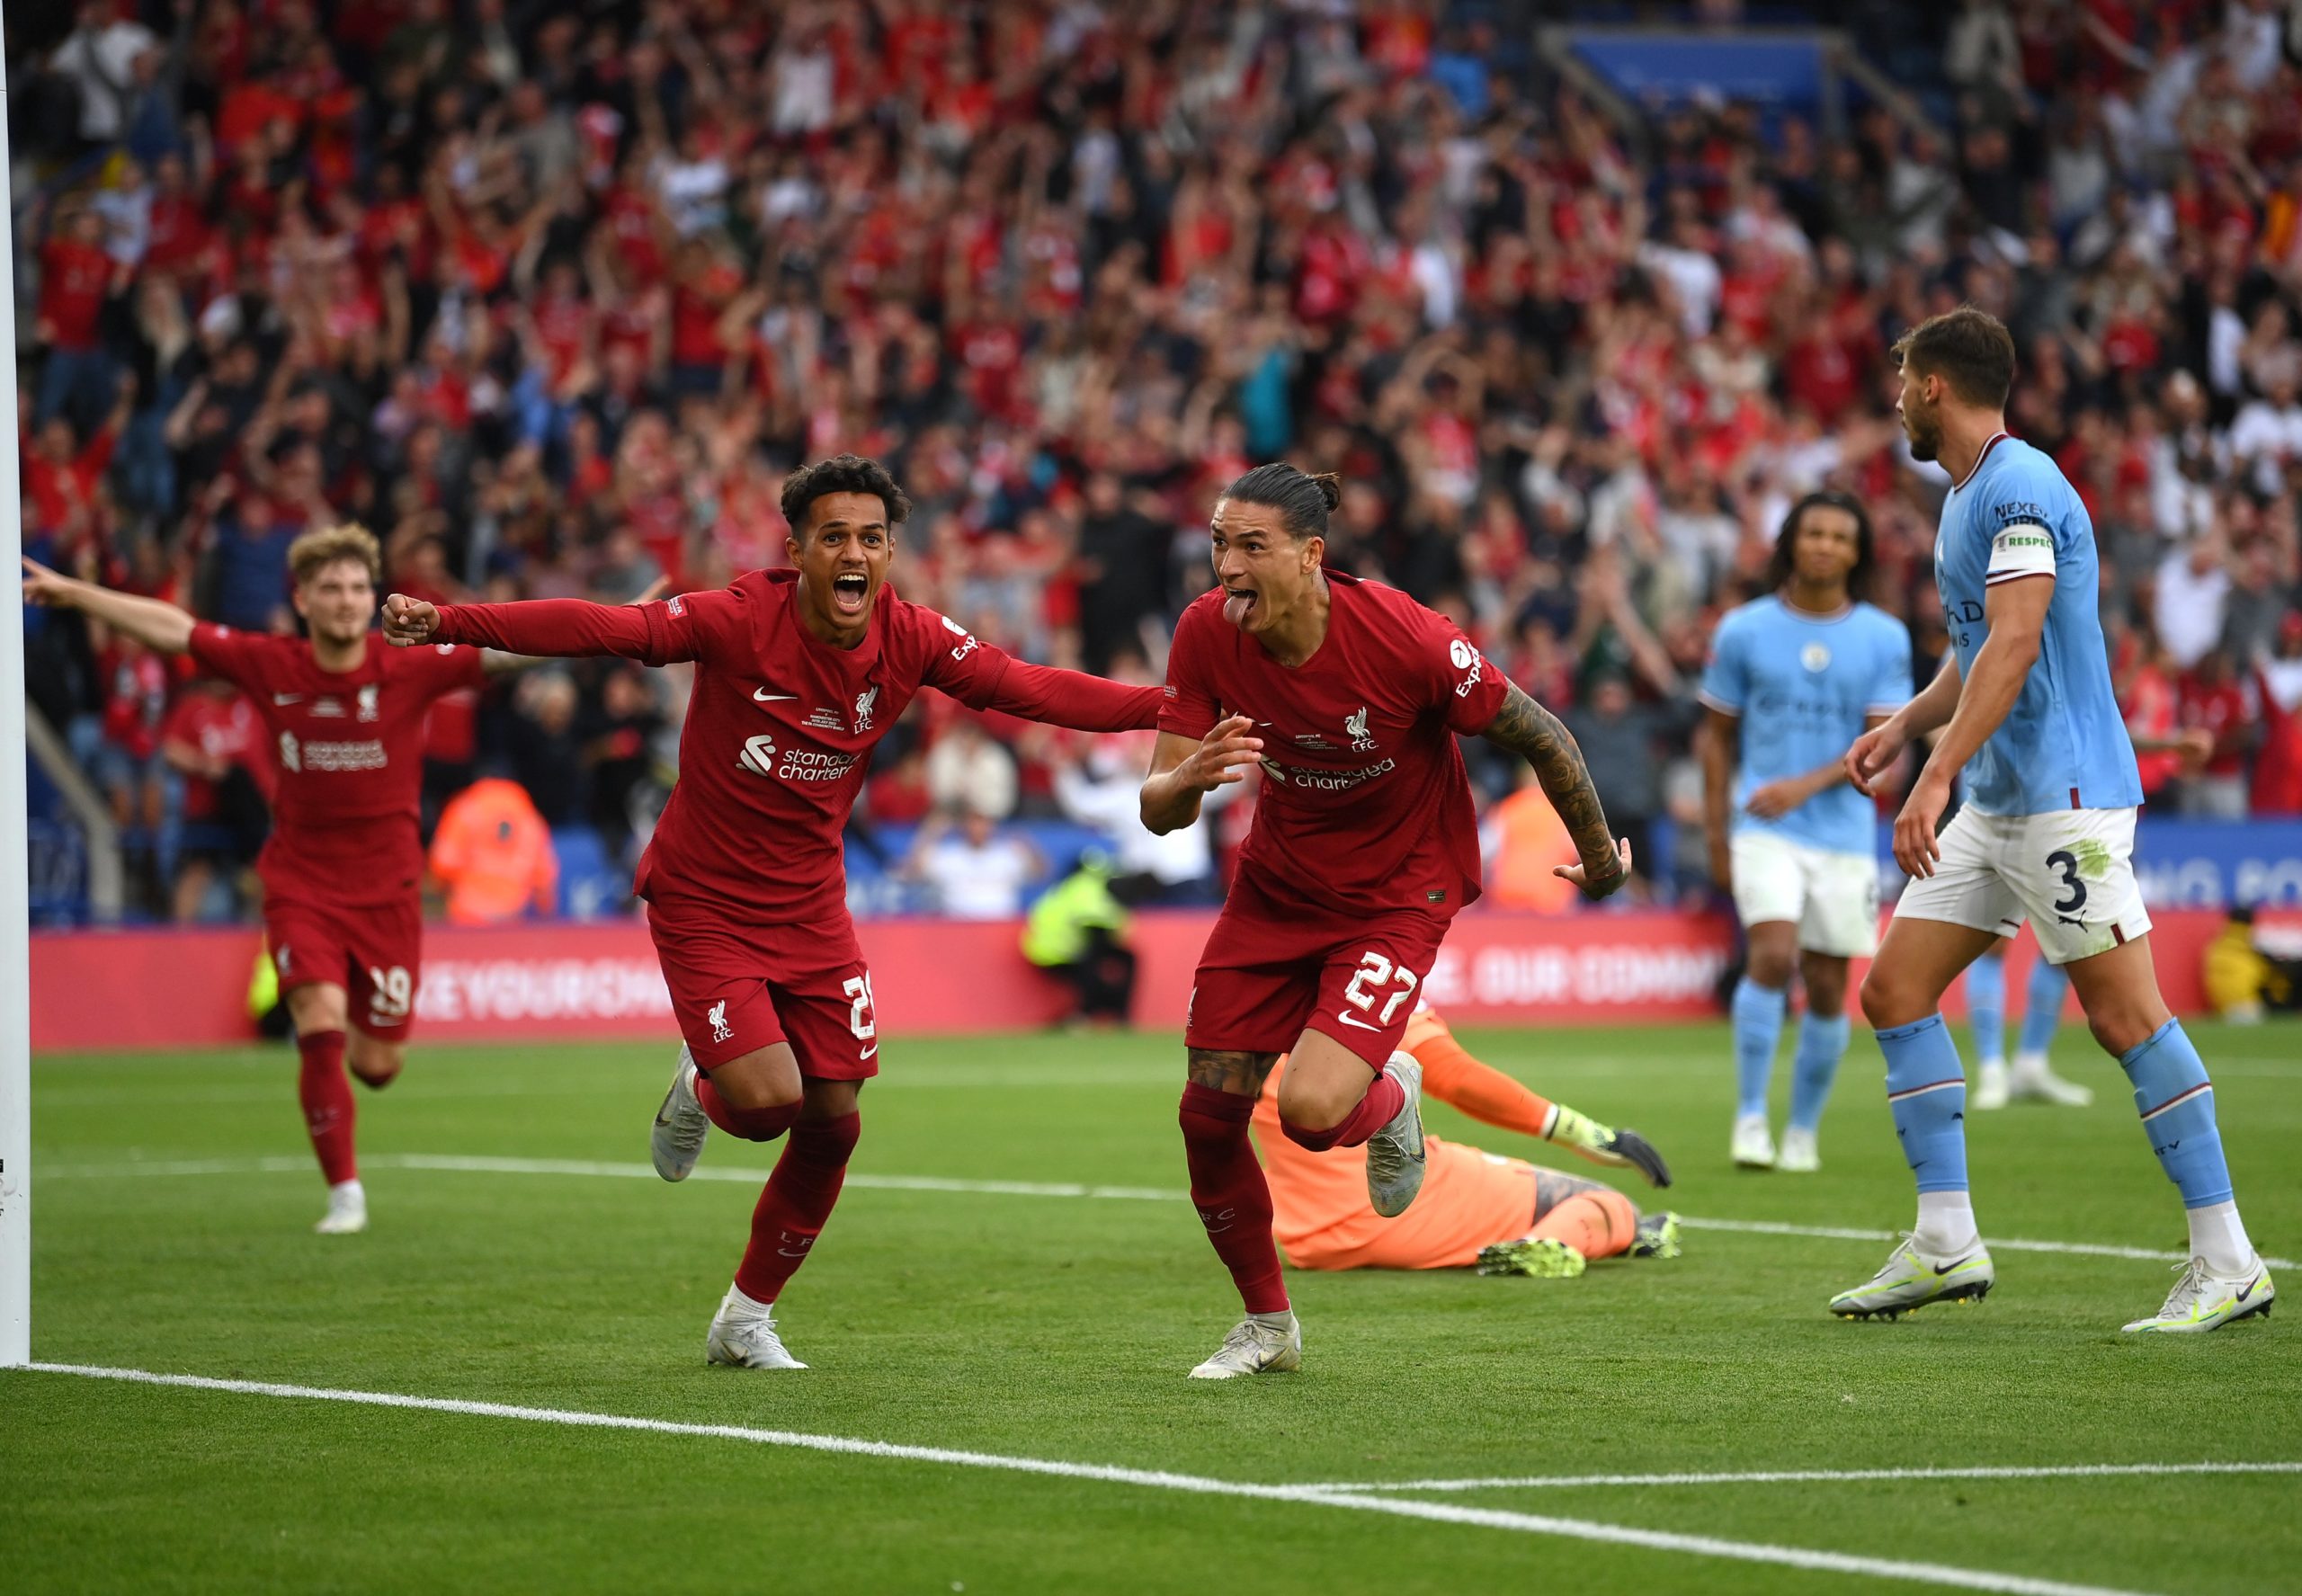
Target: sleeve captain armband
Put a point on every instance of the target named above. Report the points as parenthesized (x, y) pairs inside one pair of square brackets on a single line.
[(2025, 549)]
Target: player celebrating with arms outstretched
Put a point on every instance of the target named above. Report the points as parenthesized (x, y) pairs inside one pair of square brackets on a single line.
[(2025, 706), (1349, 695), (343, 867), (798, 674)]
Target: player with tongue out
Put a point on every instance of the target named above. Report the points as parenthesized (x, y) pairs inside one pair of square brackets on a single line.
[(798, 673), (1349, 695)]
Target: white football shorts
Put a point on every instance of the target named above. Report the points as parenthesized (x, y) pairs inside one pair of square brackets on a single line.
[(1831, 897), (2070, 872)]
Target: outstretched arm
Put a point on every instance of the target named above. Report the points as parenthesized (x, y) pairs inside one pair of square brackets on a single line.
[(1071, 698), (554, 628), (494, 661), (1534, 734), (1453, 1076), (157, 626)]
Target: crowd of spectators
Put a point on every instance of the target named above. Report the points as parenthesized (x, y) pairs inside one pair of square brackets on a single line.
[(551, 298)]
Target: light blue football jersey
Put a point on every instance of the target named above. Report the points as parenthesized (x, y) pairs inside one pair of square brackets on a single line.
[(1802, 686), (2063, 744)]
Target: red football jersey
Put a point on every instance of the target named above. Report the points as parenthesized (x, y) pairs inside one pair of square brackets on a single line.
[(781, 725), (1365, 804), (349, 746)]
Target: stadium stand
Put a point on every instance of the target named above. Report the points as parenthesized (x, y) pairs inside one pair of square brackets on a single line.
[(552, 298)]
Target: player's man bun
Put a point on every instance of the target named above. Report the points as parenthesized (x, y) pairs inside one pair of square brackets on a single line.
[(322, 546), (841, 473), (1302, 500)]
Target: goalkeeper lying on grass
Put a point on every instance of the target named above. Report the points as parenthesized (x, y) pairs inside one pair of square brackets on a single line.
[(1503, 1215)]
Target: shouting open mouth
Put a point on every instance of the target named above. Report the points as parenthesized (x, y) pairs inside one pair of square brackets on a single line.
[(850, 592)]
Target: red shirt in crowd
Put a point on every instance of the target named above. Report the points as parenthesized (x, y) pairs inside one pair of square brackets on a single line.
[(71, 282), (227, 729)]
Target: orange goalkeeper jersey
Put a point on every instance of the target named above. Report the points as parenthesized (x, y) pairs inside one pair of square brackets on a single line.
[(1469, 1200)]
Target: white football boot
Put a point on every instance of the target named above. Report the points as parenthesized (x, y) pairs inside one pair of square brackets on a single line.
[(1909, 1280), (1800, 1156), (2032, 1081), (1754, 1147), (1260, 1344), (743, 1336), (1394, 1152), (676, 1142), (1989, 1090), (2202, 1300), (347, 1210)]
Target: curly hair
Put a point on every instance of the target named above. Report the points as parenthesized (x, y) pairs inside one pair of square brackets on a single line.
[(841, 473), (1786, 542), (322, 546)]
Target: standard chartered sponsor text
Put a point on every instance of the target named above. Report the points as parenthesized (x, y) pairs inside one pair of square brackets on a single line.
[(810, 764), (367, 755)]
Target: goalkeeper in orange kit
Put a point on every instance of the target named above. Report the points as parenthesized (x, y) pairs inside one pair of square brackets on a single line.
[(1503, 1215)]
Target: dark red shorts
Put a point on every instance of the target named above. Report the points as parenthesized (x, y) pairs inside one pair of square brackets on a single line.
[(1270, 971), (374, 951), (738, 988)]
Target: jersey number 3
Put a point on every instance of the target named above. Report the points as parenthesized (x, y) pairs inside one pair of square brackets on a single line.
[(2065, 861)]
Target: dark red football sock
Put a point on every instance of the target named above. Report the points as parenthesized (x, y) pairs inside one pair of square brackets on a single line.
[(1227, 1189), (753, 1125), (328, 1109), (1385, 1097), (799, 1199)]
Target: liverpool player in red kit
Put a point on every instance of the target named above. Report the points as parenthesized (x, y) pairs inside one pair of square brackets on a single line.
[(1349, 695), (797, 674), (340, 870)]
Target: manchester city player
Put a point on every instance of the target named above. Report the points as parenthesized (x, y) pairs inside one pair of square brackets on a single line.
[(2024, 705), (1795, 677)]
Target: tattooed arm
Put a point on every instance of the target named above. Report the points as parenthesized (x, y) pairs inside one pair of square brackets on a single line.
[(1534, 734)]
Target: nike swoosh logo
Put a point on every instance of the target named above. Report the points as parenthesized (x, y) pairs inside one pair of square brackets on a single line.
[(1944, 1268), (1361, 1024), (867, 1052), (287, 698), (2247, 1289), (760, 695)]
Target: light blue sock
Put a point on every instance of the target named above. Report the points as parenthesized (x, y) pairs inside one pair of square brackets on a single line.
[(1758, 1029), (2176, 1103), (1986, 1004), (2042, 1006), (1926, 1090), (1822, 1043)]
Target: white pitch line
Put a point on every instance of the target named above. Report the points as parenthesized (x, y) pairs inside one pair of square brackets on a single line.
[(2004, 1244), (1700, 1545), (476, 1164), (1815, 1477)]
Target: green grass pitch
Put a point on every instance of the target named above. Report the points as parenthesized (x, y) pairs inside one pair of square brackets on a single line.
[(1055, 1328)]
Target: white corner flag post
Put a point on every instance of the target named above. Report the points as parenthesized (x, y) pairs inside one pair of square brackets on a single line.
[(15, 938)]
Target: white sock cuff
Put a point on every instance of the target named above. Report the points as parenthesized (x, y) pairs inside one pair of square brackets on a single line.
[(742, 1302)]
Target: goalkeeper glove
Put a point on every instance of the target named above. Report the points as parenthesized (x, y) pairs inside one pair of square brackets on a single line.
[(1602, 1144)]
